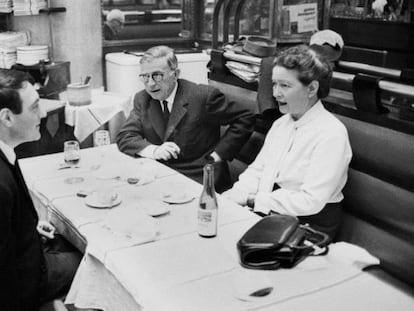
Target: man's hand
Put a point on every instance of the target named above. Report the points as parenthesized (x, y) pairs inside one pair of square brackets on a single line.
[(45, 229), (167, 151)]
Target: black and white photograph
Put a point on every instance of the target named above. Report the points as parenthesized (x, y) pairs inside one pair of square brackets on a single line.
[(206, 155)]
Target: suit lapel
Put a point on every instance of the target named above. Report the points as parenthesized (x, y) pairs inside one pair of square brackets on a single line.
[(19, 178), (179, 109), (155, 116)]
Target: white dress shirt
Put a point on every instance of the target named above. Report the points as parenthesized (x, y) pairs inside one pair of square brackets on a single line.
[(148, 152), (8, 152), (307, 158)]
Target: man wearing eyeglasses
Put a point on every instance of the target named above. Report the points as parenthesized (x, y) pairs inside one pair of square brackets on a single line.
[(178, 122)]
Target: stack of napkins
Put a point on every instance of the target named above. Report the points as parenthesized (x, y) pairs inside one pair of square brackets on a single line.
[(9, 41), (21, 7), (7, 57), (13, 39), (246, 72), (37, 5), (6, 6), (28, 7)]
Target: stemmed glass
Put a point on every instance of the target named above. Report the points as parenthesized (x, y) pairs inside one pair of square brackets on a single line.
[(71, 155)]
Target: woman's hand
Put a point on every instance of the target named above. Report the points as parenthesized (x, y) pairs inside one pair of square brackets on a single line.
[(45, 229)]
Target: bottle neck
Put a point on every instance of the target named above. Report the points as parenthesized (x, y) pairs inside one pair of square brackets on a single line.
[(208, 179)]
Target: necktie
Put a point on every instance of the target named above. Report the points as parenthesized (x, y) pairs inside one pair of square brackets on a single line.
[(165, 112)]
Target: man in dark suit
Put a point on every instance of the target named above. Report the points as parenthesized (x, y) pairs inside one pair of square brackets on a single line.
[(177, 121), (31, 272)]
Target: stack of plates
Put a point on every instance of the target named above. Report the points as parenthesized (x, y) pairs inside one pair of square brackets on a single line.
[(32, 54)]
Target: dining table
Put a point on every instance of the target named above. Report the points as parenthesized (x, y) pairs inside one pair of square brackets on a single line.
[(142, 251)]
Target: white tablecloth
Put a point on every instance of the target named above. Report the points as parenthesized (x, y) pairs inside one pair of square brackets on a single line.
[(162, 263), (104, 107)]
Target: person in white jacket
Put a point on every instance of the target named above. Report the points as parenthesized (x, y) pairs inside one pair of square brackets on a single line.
[(303, 164)]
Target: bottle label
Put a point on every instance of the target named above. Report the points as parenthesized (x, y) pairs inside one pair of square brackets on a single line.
[(207, 222)]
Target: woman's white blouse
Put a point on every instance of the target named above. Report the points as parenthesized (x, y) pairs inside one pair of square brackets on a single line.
[(307, 158)]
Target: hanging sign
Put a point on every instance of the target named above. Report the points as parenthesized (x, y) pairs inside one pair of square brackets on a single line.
[(303, 17)]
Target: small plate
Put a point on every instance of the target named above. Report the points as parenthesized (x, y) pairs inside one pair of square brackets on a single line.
[(154, 207), (92, 201), (179, 198)]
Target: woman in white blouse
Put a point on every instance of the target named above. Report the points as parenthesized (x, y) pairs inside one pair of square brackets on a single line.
[(303, 164)]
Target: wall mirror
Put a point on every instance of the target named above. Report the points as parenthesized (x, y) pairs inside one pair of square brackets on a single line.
[(143, 19)]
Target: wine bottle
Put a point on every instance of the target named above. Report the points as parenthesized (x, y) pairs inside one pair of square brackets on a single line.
[(207, 211)]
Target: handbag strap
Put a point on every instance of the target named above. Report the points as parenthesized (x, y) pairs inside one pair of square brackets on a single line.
[(312, 238)]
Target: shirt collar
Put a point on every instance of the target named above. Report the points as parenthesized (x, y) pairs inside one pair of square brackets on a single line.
[(170, 99), (310, 115), (8, 152)]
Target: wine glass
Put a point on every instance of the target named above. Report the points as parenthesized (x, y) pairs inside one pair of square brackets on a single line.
[(71, 155)]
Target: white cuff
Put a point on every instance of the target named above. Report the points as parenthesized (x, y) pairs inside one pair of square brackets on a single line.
[(261, 203), (215, 156)]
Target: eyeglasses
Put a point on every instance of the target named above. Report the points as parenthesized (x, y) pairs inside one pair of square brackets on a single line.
[(157, 76)]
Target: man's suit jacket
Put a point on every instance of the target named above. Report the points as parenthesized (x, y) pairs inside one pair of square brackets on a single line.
[(22, 264), (197, 114)]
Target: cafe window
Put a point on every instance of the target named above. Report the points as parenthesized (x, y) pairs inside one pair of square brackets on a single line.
[(283, 20), (142, 19), (382, 10)]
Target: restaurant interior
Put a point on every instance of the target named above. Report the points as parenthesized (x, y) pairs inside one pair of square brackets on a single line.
[(87, 83)]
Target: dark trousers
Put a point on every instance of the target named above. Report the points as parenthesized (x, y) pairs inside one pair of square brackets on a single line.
[(62, 261)]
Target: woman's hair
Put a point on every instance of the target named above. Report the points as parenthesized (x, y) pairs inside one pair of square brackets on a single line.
[(310, 67), (10, 82), (160, 51)]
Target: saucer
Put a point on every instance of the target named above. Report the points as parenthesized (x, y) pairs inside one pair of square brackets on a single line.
[(92, 201), (154, 207), (178, 198)]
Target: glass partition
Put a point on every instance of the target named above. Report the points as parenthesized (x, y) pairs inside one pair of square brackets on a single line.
[(382, 10), (142, 19), (284, 20), (254, 18)]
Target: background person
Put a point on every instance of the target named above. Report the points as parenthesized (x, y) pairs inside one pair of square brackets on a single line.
[(113, 25), (303, 164), (179, 122), (31, 272)]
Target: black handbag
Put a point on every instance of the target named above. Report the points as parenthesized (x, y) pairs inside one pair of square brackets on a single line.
[(279, 241)]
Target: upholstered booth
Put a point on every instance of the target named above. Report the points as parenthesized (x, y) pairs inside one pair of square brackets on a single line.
[(379, 194)]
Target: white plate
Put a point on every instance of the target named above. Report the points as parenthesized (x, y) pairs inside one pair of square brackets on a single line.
[(92, 201), (179, 198), (154, 207)]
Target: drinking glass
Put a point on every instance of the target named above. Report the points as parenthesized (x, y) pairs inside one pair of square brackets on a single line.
[(101, 138), (71, 152)]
